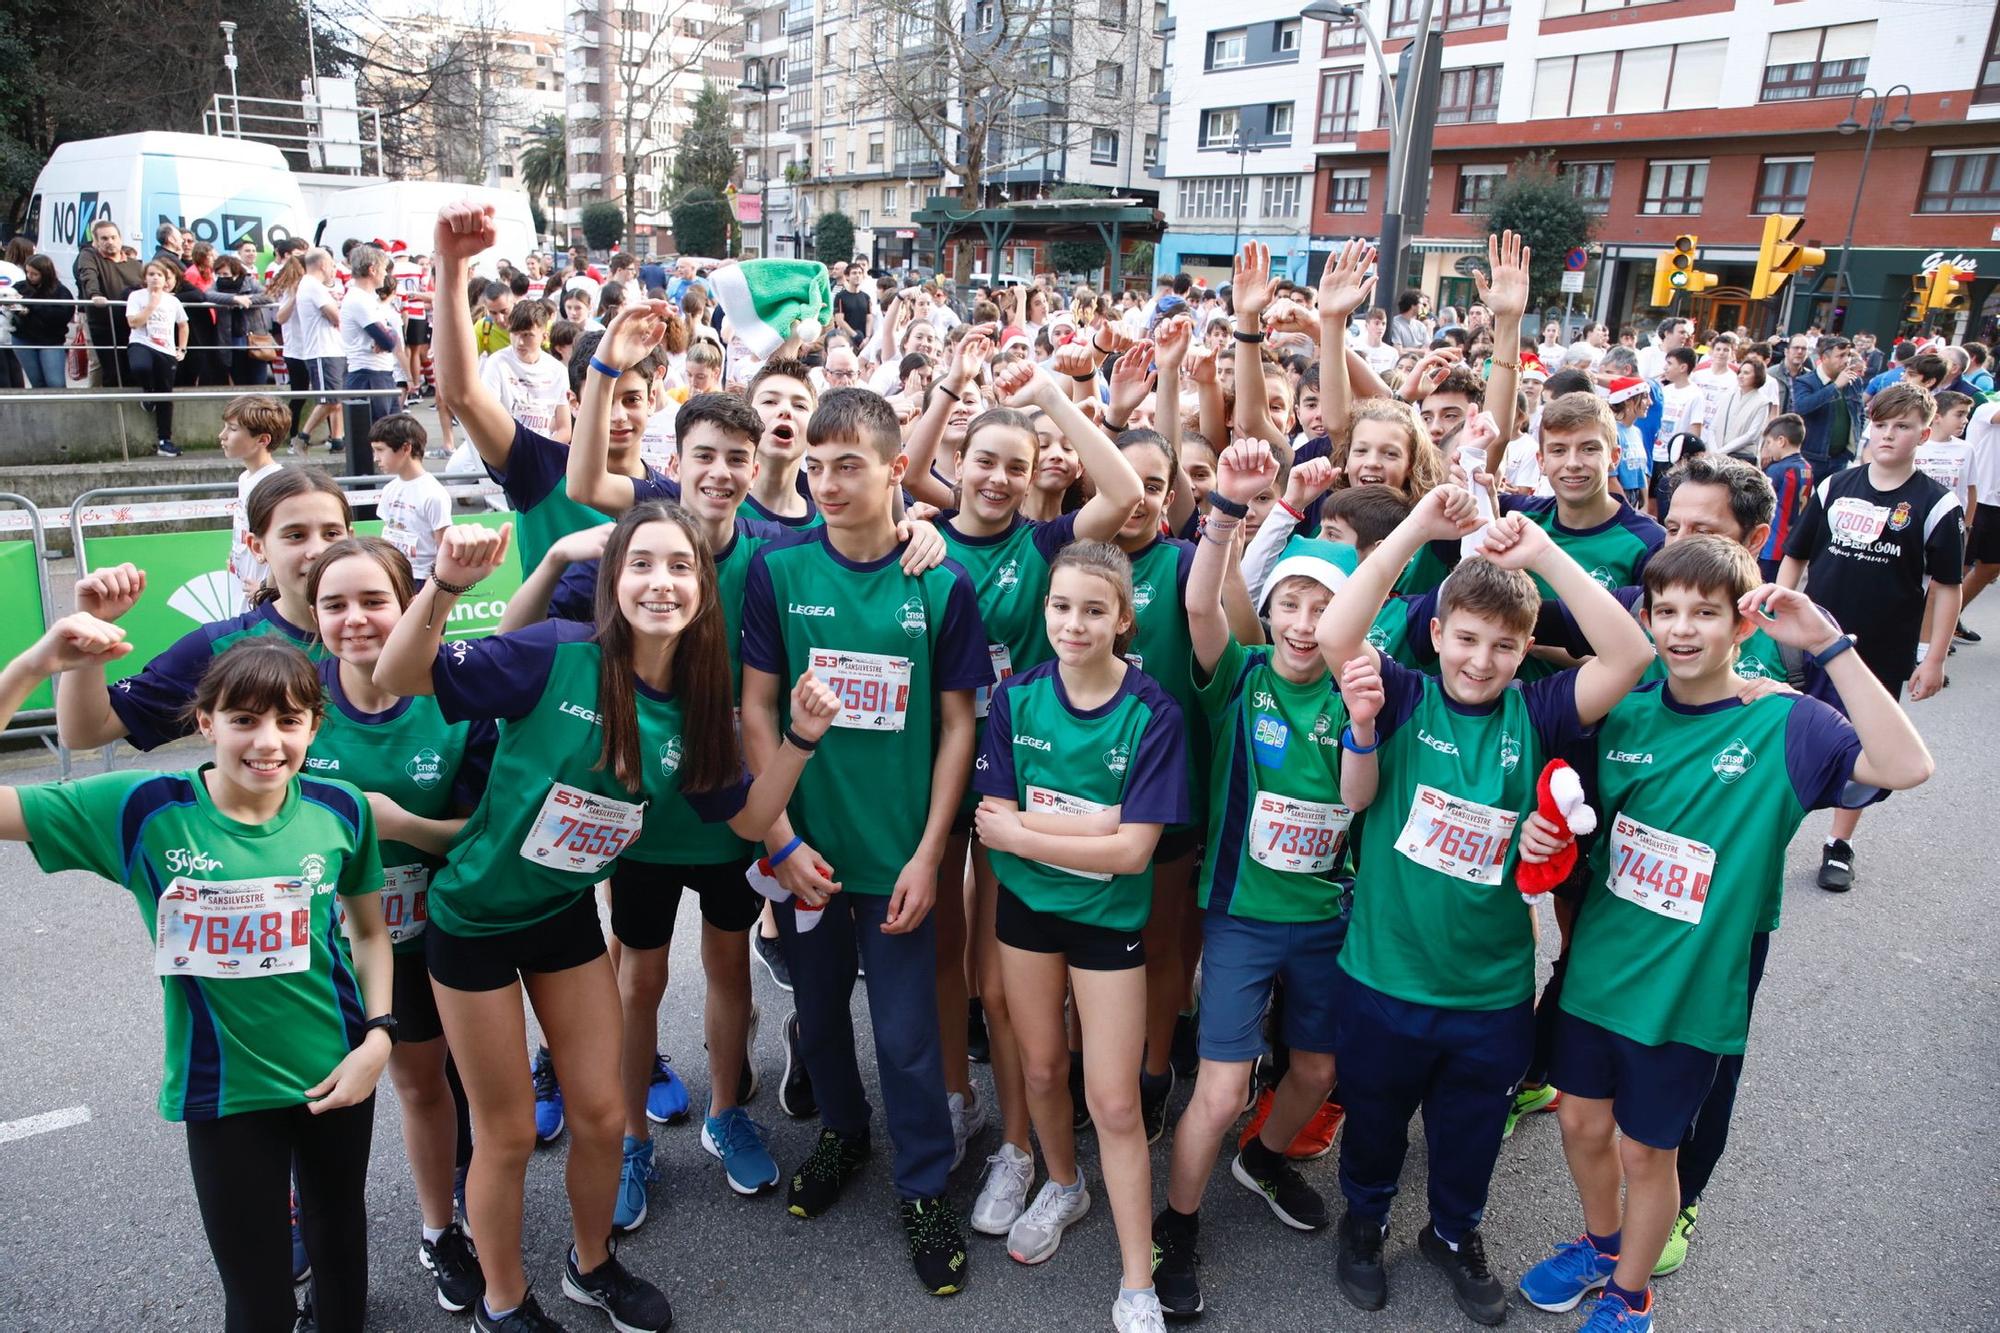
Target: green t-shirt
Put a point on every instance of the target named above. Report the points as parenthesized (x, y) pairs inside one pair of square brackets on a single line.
[(1277, 832), (888, 643), (1429, 567), (1162, 649), (152, 702), (536, 483), (261, 999), (1436, 918), (1695, 807), (1046, 755), (1613, 552), (1402, 631), (552, 821)]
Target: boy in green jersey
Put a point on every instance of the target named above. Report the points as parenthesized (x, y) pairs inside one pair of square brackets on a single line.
[(1579, 448), (1436, 978), (904, 653), (1657, 989)]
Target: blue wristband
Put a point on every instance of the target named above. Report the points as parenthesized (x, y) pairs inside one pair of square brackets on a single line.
[(603, 369), (1352, 746), (773, 862)]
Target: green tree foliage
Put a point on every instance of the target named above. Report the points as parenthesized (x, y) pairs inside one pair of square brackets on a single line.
[(1087, 256), (706, 158), (545, 164), (701, 223), (833, 238), (1537, 204), (603, 225)]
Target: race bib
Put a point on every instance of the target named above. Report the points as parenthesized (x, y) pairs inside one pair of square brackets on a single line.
[(1459, 838), (1043, 801), (578, 831), (1855, 522), (1003, 667), (233, 928), (1658, 870), (1304, 837), (873, 688), (406, 901), (1946, 467)]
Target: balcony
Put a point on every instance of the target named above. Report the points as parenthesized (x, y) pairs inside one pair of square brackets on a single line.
[(798, 73), (917, 163), (798, 18), (585, 144), (585, 74), (585, 180), (583, 110)]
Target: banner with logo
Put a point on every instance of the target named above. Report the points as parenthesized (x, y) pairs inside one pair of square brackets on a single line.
[(18, 631)]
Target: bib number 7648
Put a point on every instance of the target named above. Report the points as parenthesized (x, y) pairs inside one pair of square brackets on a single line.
[(235, 928)]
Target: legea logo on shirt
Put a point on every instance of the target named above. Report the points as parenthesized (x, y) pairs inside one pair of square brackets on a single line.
[(576, 710), (1033, 742), (1442, 747), (426, 768), (910, 615), (798, 609), (1627, 757), (318, 765), (1733, 761), (670, 757), (181, 860)]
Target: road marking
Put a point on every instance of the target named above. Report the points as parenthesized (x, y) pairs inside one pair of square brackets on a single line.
[(29, 1126)]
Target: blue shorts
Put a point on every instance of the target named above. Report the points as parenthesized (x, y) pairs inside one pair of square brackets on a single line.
[(1240, 959), (1655, 1091)]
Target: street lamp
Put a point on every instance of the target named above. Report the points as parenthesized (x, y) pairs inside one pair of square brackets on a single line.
[(1242, 149), (1878, 103), (229, 63), (756, 79)]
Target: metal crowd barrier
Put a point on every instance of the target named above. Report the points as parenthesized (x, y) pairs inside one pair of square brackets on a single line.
[(39, 723)]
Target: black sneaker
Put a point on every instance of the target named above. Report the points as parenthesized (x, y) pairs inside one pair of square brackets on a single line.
[(795, 1091), (1836, 866), (634, 1304), (1174, 1259), (1296, 1203), (817, 1184), (1183, 1055), (454, 1265), (527, 1317), (1964, 635), (978, 1045), (1473, 1285), (937, 1246), (772, 955), (1079, 1106), (166, 449), (1358, 1263), (1153, 1094)]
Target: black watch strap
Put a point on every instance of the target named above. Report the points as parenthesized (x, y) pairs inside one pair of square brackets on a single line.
[(387, 1023)]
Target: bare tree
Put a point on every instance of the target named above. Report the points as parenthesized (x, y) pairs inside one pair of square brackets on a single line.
[(438, 81), (655, 48)]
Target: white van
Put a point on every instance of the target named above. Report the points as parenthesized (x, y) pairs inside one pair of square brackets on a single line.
[(407, 211), (225, 191)]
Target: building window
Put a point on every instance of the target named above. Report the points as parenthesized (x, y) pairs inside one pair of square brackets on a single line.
[(875, 148), (1152, 158), (1469, 96), (1281, 121), (1104, 148), (850, 161), (1156, 79), (1208, 197), (1111, 13), (1475, 188), (892, 200), (1675, 187), (843, 200), (1225, 49), (982, 17), (1782, 185), (1347, 192), (1458, 14), (1281, 197), (1650, 78), (1559, 9), (1591, 182), (866, 220), (1110, 78), (1817, 62), (1218, 128), (1342, 37), (1288, 35), (1989, 69), (1961, 181), (1339, 116)]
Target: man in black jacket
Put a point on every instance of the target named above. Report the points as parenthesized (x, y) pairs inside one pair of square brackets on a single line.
[(105, 278)]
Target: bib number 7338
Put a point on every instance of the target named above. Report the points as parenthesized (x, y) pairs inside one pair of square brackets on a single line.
[(1456, 837), (233, 928)]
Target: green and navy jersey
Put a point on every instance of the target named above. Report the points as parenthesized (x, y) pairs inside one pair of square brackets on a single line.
[(751, 508), (261, 998), (152, 702), (535, 483), (1695, 806), (1010, 573), (1402, 630), (429, 767), (1613, 552), (1162, 649), (1757, 657), (888, 643), (1429, 567), (552, 821), (1277, 831), (1436, 918), (1048, 756)]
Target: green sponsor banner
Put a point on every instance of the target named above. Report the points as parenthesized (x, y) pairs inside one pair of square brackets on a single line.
[(19, 630), (188, 586)]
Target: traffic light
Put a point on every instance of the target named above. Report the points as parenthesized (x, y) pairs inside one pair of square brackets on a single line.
[(1663, 278), (1944, 292), (1686, 277), (1920, 299), (1778, 258)]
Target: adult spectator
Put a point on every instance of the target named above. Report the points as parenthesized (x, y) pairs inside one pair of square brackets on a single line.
[(207, 362), (104, 277), (311, 321), (1551, 348), (1978, 371), (40, 330), (240, 311), (1736, 427), (685, 278), (1669, 334), (1374, 345), (853, 309), (1872, 360), (1827, 396), (625, 268), (1594, 342), (1797, 351), (842, 369), (169, 238), (942, 317), (1960, 361), (1408, 328), (368, 342), (157, 343)]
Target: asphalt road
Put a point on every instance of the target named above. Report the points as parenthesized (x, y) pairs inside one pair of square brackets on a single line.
[(1861, 1190)]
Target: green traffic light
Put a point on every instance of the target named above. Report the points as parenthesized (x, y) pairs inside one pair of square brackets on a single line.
[(1679, 278)]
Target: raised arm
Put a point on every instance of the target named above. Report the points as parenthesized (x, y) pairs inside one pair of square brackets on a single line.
[(633, 333), (1506, 293), (74, 643), (1445, 514), (1240, 473), (84, 717), (1344, 287), (469, 554), (1620, 649), (464, 230), (1361, 690), (921, 447), (1252, 293), (530, 602)]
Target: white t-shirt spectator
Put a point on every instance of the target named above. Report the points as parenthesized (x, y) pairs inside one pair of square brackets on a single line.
[(1381, 358), (412, 512), (247, 569), (531, 393), (1522, 466), (358, 311), (1682, 408), (311, 336), (1948, 463), (158, 330), (1982, 433), (1652, 361), (1584, 349), (1715, 385)]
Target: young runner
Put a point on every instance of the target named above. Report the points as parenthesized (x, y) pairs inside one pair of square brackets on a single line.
[(905, 654), (599, 723), (1081, 769), (415, 506), (1596, 528), (1665, 951), (529, 382), (420, 774), (277, 1025), (1790, 476), (250, 425), (782, 393), (1436, 979)]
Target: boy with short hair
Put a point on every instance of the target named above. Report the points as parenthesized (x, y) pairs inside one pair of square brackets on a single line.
[(490, 331), (529, 382), (1790, 476), (1945, 455), (782, 393), (905, 653), (250, 424), (1656, 991), (415, 508), (1436, 979), (1883, 546)]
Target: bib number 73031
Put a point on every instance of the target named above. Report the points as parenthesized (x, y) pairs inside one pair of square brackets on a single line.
[(233, 928), (1456, 837), (580, 831)]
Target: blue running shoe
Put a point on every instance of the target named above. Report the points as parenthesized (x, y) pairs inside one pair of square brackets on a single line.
[(548, 1098), (735, 1138), (634, 1178), (301, 1266), (667, 1096), (1561, 1281), (1612, 1315)]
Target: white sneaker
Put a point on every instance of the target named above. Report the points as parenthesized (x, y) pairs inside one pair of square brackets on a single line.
[(1003, 1192), (968, 1117), (1138, 1313), (1036, 1233)]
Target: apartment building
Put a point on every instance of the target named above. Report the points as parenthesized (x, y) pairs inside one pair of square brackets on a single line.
[(776, 157), (472, 93)]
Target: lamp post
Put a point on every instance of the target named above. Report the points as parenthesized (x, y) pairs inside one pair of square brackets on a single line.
[(229, 63), (1242, 149), (1878, 103), (756, 79)]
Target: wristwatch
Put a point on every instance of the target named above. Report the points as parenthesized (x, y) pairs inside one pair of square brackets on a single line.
[(1831, 651), (387, 1023)]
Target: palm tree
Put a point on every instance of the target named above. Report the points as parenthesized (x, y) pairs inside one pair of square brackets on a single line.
[(545, 165)]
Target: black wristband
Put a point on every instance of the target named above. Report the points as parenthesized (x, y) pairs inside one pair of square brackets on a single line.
[(1222, 504), (1243, 337), (454, 589), (1089, 378), (799, 742)]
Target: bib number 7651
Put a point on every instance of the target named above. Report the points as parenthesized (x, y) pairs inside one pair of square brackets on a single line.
[(1457, 837)]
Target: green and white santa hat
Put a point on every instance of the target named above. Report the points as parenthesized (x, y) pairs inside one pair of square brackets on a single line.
[(1325, 563), (769, 300)]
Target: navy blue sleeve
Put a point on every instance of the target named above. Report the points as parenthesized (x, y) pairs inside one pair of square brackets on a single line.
[(1050, 537), (1556, 627), (963, 660), (721, 805), (468, 785), (501, 676), (1419, 609), (1156, 789), (1821, 748), (575, 595), (763, 645), (536, 468), (1403, 690), (380, 335), (1552, 712), (655, 485), (151, 703), (1183, 570), (993, 770)]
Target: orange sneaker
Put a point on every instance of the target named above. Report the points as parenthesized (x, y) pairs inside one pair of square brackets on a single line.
[(1316, 1139), (1258, 1115)]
